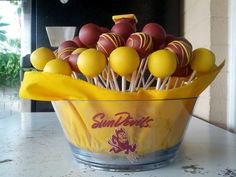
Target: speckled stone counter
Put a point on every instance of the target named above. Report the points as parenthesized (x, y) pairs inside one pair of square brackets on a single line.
[(33, 145)]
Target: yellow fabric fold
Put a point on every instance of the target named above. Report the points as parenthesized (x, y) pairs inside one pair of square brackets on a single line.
[(50, 87)]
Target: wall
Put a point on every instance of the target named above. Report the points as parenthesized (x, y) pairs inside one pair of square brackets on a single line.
[(205, 24)]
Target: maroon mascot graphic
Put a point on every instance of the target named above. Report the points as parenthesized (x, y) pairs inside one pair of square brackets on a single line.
[(120, 142)]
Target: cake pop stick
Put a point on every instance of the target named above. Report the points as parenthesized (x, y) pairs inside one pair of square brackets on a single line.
[(124, 61), (91, 63), (142, 43), (162, 64), (150, 83), (203, 60), (141, 79)]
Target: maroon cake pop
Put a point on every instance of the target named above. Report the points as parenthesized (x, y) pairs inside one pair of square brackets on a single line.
[(89, 34), (73, 59), (183, 52), (78, 42), (157, 32), (104, 29), (108, 42), (141, 42), (124, 29), (65, 49), (183, 72)]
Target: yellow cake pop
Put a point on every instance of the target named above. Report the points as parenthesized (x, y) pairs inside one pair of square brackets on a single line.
[(124, 61), (58, 66), (91, 63), (40, 57), (162, 64), (203, 60)]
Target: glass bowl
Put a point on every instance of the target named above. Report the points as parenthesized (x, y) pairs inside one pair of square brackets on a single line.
[(129, 135)]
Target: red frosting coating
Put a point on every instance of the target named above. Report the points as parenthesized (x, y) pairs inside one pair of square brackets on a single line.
[(141, 42), (78, 42), (89, 34), (108, 42), (157, 32), (73, 62), (183, 72), (124, 29), (66, 48), (131, 21), (183, 52), (104, 29)]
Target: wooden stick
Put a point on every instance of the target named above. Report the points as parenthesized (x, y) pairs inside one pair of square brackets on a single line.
[(74, 75), (123, 83), (103, 82), (96, 80), (88, 80), (150, 83), (139, 73), (163, 83), (176, 82), (158, 83), (148, 80), (108, 76), (114, 79), (168, 83), (131, 88), (192, 76), (112, 85)]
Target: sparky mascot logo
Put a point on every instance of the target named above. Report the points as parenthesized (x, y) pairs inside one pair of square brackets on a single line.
[(120, 143)]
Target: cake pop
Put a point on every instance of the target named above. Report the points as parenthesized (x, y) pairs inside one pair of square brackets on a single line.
[(78, 42), (89, 34), (73, 59), (157, 32), (40, 57), (162, 64), (142, 43), (124, 61), (91, 63), (108, 42), (124, 29), (182, 51), (66, 48), (58, 66), (126, 18), (202, 61)]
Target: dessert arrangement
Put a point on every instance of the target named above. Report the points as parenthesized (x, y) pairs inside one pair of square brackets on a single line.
[(119, 58), (123, 97)]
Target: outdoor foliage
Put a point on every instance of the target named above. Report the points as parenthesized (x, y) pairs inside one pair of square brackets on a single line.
[(9, 59)]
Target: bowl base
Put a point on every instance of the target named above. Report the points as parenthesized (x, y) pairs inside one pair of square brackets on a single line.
[(117, 163)]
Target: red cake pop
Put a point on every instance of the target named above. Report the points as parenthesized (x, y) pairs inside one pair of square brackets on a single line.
[(89, 35), (78, 42), (73, 59), (126, 18), (65, 49), (183, 72), (104, 29), (183, 52), (108, 42), (157, 32), (141, 42), (124, 29)]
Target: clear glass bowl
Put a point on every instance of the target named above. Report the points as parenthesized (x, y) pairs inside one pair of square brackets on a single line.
[(125, 135)]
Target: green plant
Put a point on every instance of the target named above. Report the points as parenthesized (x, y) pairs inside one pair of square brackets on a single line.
[(9, 69), (9, 59)]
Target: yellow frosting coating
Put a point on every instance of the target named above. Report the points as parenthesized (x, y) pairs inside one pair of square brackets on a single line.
[(40, 57), (78, 50), (162, 63), (58, 66), (91, 62), (202, 60), (124, 60)]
